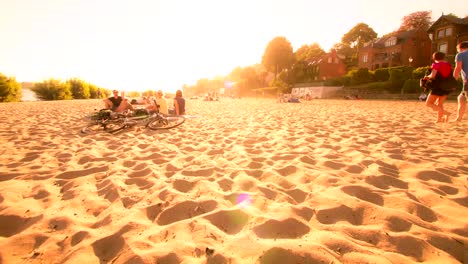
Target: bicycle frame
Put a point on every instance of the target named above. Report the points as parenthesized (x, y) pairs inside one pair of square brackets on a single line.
[(154, 121)]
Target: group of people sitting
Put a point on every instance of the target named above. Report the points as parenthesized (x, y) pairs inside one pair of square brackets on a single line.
[(118, 103)]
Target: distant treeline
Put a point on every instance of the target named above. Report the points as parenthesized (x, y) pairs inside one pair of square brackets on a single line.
[(52, 89)]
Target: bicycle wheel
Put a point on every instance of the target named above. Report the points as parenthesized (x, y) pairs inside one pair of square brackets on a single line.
[(115, 125), (166, 122), (103, 126)]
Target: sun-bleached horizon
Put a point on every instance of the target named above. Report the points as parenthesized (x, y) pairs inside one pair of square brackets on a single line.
[(142, 45)]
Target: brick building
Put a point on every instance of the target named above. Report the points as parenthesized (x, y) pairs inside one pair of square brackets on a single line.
[(446, 33), (326, 66), (398, 48)]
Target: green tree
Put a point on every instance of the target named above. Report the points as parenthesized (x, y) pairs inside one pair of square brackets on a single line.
[(348, 52), (420, 20), (356, 38), (79, 88), (301, 70), (307, 52), (10, 89), (247, 78), (358, 35), (52, 89), (278, 55), (283, 87)]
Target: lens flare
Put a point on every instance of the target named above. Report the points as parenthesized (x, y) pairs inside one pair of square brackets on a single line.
[(244, 200)]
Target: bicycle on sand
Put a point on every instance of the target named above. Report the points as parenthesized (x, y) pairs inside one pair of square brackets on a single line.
[(107, 121)]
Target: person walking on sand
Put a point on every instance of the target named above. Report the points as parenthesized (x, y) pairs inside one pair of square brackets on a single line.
[(440, 70), (461, 68), (117, 103)]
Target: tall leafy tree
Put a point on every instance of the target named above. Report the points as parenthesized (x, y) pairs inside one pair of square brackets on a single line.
[(278, 55), (358, 35), (306, 52), (420, 20), (10, 89), (247, 79), (301, 71), (348, 53), (355, 40)]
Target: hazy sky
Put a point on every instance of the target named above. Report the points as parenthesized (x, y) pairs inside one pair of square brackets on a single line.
[(163, 44)]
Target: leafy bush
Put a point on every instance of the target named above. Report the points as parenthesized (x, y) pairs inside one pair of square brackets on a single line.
[(381, 75), (412, 86), (407, 72), (379, 86), (52, 90), (97, 93), (282, 86), (338, 81), (360, 76), (79, 89), (10, 89), (420, 72), (397, 79)]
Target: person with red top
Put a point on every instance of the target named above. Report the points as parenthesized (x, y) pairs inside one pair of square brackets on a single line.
[(440, 70)]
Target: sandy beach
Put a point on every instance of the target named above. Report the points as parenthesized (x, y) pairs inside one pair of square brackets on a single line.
[(241, 181)]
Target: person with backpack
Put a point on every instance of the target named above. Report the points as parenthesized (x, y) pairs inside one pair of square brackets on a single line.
[(440, 73)]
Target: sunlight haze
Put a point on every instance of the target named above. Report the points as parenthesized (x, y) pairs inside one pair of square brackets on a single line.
[(156, 44)]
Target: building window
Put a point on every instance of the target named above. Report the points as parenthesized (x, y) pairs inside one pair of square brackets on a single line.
[(365, 58), (445, 32), (440, 33), (448, 32), (390, 42), (443, 48)]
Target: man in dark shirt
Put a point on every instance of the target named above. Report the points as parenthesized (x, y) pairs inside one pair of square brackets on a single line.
[(117, 103)]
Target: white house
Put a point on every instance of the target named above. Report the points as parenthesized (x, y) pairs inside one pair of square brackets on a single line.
[(315, 91)]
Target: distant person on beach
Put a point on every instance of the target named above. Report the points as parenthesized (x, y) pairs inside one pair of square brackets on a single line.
[(437, 95), (461, 68), (117, 103), (179, 104)]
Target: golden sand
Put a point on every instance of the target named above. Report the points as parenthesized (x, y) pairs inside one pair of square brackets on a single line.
[(241, 181)]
